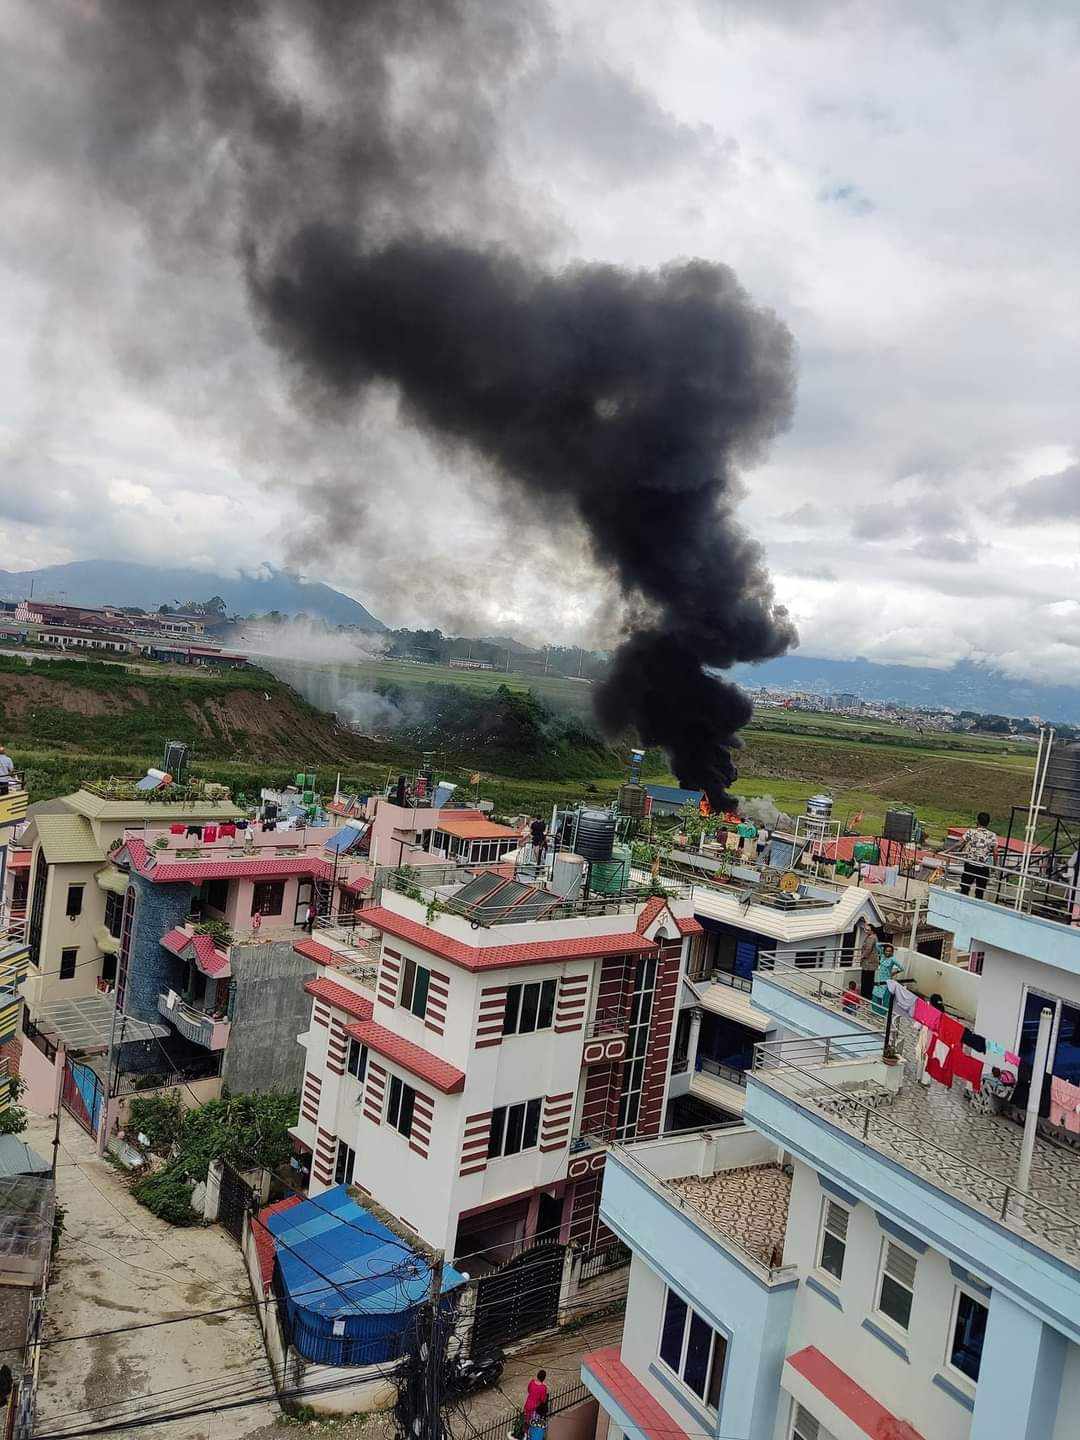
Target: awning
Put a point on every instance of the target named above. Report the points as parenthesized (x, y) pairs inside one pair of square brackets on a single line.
[(85, 1023), (721, 1093), (840, 1406), (735, 1005), (622, 1396)]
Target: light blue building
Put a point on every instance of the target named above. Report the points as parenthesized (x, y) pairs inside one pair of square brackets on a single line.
[(863, 1256)]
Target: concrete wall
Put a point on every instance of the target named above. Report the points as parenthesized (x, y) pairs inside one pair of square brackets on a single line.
[(270, 1008), (59, 933), (1002, 985), (42, 1078)]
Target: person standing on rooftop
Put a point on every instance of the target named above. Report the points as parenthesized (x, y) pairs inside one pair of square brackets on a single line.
[(978, 845), (7, 771)]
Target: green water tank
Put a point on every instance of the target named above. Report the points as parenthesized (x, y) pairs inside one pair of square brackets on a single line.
[(866, 853), (610, 877)]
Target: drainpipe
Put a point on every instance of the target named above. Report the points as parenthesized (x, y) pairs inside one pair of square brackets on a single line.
[(1031, 1118), (915, 924)]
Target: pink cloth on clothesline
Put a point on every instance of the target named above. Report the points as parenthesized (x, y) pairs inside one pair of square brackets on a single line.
[(928, 1015)]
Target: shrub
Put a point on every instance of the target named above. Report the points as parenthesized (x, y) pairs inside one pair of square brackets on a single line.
[(159, 1118), (167, 1194)]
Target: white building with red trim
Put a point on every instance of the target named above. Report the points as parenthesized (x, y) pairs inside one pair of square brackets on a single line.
[(471, 1083)]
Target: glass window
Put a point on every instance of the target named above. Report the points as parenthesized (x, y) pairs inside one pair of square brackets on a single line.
[(268, 897), (969, 1331), (356, 1064), (414, 988), (529, 1007), (108, 968), (514, 1128), (896, 1289), (834, 1223), (343, 1166), (216, 895), (74, 901), (693, 1350), (399, 1106), (68, 962), (114, 913)]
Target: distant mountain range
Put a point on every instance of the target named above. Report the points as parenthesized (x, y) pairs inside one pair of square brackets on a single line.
[(123, 582), (966, 686)]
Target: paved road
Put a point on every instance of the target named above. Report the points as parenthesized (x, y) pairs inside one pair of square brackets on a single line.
[(120, 1267)]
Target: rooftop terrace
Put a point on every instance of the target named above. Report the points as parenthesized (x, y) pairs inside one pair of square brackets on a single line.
[(750, 1205)]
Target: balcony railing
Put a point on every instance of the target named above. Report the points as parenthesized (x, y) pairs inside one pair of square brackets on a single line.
[(1051, 897), (195, 1025), (721, 1071), (826, 985), (865, 1105), (612, 1021), (727, 977)]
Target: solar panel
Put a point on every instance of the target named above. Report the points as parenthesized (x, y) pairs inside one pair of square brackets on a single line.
[(476, 889)]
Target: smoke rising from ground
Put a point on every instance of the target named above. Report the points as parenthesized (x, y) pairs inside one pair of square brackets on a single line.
[(342, 147)]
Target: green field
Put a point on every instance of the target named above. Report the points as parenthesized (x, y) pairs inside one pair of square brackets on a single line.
[(64, 722)]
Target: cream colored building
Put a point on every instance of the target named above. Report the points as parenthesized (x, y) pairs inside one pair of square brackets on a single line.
[(76, 895)]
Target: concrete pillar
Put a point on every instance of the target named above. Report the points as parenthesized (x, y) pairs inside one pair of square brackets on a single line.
[(694, 1037), (1020, 1375)]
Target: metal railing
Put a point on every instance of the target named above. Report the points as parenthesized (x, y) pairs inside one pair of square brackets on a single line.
[(574, 1393), (722, 1071), (728, 977), (611, 1021), (1050, 897), (827, 985), (49, 1048), (612, 1256), (793, 1067), (832, 957)]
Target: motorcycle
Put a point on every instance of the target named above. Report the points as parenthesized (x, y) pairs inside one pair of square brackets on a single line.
[(466, 1374)]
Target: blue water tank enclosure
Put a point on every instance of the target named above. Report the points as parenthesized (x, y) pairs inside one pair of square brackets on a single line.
[(347, 1286)]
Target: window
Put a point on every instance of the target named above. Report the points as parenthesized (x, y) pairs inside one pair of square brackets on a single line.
[(529, 1007), (834, 1222), (969, 1331), (805, 1427), (356, 1064), (305, 896), (514, 1128), (414, 987), (399, 1106), (896, 1289), (114, 914), (343, 1165), (108, 968), (268, 897), (68, 962), (74, 902), (636, 1046), (693, 1350)]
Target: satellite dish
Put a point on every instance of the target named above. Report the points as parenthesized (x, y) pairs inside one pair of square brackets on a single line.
[(789, 882)]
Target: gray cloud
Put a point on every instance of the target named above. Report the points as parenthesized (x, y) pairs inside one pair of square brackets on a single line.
[(1047, 498)]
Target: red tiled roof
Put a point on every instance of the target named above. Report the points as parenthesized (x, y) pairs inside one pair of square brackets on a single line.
[(166, 872), (359, 885), (321, 954), (851, 1399), (265, 1248), (200, 948), (688, 925), (627, 1390), (339, 997), (498, 957), (410, 1057), (649, 914), (477, 829), (19, 859)]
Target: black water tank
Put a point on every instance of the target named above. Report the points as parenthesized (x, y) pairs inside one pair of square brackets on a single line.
[(1062, 793), (899, 826), (595, 834)]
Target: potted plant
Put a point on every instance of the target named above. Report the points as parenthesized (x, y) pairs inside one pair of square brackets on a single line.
[(518, 1426), (890, 1055)]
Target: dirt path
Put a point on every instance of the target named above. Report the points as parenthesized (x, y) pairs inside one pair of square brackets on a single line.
[(119, 1269)]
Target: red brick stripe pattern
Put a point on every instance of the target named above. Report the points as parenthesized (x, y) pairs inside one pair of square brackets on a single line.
[(489, 1023)]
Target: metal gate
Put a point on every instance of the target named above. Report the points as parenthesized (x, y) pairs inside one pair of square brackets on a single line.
[(237, 1198), (82, 1095), (520, 1298)]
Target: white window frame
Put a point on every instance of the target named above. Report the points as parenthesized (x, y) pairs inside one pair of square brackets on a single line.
[(691, 1311), (345, 1160), (959, 1376), (823, 1230), (360, 1050), (816, 1431), (521, 986), (414, 975), (883, 1261)]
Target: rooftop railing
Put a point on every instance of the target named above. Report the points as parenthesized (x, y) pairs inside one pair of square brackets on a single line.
[(823, 976), (1035, 892), (861, 1107)]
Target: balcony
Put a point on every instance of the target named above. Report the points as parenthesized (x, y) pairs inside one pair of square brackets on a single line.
[(918, 1153), (719, 1085), (13, 805), (195, 1025), (706, 1213)]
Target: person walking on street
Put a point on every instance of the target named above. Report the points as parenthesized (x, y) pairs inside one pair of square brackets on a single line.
[(536, 1396), (978, 845)]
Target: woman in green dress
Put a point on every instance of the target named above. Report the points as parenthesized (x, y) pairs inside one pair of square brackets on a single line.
[(887, 967)]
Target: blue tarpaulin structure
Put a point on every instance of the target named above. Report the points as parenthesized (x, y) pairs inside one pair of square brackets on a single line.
[(349, 836), (347, 1286)]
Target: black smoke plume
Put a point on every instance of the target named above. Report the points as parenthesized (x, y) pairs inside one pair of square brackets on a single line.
[(624, 398)]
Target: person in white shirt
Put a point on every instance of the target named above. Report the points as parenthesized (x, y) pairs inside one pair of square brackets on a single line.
[(7, 771)]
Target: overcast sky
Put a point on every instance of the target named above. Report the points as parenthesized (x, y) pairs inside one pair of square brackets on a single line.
[(897, 181)]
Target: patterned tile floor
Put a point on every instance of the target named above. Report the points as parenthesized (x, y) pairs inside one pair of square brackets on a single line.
[(933, 1131), (750, 1205)]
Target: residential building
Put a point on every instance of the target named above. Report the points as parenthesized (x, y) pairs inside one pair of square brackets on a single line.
[(718, 1024), (63, 637), (670, 799), (13, 945), (471, 1077), (75, 894), (867, 1253)]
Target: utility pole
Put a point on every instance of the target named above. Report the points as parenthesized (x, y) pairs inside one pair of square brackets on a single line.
[(430, 1414)]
